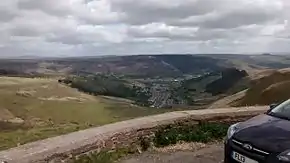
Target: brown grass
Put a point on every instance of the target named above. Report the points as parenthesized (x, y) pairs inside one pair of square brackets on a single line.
[(227, 101), (48, 108), (270, 89)]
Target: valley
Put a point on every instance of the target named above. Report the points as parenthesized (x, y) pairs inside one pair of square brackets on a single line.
[(41, 98)]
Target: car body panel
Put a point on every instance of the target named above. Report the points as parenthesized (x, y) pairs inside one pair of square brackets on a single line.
[(266, 132), (267, 135)]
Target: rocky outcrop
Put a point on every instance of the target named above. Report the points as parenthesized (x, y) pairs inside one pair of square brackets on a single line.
[(119, 134)]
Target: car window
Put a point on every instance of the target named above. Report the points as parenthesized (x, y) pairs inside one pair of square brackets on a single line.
[(283, 109)]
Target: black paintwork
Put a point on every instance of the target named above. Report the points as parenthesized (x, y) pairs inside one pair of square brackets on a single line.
[(264, 132)]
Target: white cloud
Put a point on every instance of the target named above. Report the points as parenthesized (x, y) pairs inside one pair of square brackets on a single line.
[(100, 27)]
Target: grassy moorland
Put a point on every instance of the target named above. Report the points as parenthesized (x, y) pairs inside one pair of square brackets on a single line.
[(33, 109)]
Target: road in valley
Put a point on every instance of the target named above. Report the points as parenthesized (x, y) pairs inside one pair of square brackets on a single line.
[(210, 154)]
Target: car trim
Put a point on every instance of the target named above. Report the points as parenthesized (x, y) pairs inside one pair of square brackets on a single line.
[(254, 149), (237, 142), (258, 150)]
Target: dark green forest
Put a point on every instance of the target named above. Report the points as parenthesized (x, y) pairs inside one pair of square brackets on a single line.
[(108, 85)]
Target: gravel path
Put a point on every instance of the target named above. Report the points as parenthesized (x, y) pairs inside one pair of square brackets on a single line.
[(210, 154)]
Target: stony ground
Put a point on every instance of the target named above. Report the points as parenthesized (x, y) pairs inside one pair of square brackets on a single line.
[(208, 154)]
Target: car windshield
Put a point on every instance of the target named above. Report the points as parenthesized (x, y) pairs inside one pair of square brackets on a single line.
[(282, 110)]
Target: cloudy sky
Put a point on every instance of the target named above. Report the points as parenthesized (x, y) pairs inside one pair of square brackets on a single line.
[(115, 27)]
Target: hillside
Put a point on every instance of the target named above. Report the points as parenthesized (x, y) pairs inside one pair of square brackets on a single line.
[(109, 85), (207, 88), (158, 93), (266, 90), (32, 109), (229, 78)]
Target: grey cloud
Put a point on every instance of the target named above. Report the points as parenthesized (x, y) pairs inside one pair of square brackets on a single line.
[(52, 7), (145, 48), (193, 34), (143, 12), (97, 19), (68, 37), (203, 13), (35, 23), (86, 11), (279, 45), (6, 15), (8, 10), (241, 18), (161, 31), (177, 36), (84, 35), (234, 16), (24, 31), (19, 46), (69, 40), (76, 27)]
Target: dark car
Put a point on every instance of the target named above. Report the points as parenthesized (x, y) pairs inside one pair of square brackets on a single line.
[(262, 139)]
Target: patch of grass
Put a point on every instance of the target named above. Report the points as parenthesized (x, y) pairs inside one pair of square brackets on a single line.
[(202, 133), (17, 137), (8, 126), (241, 85)]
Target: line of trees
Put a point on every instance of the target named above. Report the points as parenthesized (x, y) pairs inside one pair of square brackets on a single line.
[(230, 77), (108, 86)]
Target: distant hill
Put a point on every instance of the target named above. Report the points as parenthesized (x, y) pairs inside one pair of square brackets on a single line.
[(138, 66), (144, 66), (262, 61), (190, 64)]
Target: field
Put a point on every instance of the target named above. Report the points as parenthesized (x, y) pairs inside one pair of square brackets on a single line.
[(33, 109)]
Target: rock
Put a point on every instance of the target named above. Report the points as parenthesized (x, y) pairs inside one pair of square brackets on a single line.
[(25, 93), (16, 120)]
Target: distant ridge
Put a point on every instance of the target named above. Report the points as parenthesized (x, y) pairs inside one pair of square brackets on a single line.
[(143, 54)]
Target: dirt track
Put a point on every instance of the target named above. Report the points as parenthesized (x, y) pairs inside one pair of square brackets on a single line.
[(210, 154)]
